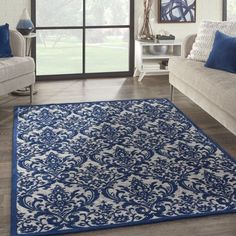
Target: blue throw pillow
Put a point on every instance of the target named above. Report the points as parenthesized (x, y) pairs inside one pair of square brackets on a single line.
[(223, 54), (5, 49)]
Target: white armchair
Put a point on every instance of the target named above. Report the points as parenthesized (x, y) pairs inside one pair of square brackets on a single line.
[(17, 72)]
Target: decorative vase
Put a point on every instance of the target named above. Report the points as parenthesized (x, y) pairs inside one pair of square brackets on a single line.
[(25, 26), (145, 31)]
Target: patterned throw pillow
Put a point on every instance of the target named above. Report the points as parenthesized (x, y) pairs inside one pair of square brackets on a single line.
[(205, 38)]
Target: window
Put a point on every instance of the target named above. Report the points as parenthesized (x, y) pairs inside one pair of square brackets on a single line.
[(229, 10), (84, 37)]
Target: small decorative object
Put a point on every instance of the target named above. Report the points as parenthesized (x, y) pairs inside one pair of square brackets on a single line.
[(25, 26), (165, 65), (146, 29), (164, 37), (176, 11), (161, 50)]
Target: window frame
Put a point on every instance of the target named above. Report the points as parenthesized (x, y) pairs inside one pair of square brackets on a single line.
[(85, 75), (224, 17)]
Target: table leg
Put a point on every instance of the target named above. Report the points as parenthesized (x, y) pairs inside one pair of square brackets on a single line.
[(136, 73), (141, 76), (171, 92), (31, 93)]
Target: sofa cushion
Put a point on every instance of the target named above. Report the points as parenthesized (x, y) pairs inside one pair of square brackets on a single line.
[(206, 35), (223, 54), (218, 86), (5, 49), (13, 67)]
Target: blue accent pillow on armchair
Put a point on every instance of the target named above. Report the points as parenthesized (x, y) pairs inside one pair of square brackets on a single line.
[(223, 54), (5, 49)]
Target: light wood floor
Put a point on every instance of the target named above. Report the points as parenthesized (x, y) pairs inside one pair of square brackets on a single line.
[(112, 89)]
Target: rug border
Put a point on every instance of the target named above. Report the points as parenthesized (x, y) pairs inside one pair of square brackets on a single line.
[(14, 173), (95, 228)]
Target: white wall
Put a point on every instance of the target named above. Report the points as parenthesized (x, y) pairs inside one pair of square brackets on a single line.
[(206, 10), (11, 10)]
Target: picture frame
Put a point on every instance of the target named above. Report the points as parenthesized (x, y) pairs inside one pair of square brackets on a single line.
[(176, 11)]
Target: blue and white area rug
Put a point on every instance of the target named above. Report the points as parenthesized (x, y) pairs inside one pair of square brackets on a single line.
[(89, 166)]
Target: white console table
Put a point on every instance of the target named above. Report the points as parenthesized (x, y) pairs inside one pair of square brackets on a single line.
[(152, 58)]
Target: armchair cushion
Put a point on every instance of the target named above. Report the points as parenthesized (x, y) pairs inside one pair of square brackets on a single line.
[(5, 49), (13, 67), (17, 42)]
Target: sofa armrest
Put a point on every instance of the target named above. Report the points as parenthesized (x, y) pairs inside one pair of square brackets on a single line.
[(188, 44), (17, 42)]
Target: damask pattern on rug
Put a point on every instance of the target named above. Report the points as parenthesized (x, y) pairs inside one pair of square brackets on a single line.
[(88, 166)]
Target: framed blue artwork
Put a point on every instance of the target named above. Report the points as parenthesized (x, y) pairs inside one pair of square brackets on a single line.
[(176, 11)]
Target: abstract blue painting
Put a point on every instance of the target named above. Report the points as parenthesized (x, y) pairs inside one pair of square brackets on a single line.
[(177, 11)]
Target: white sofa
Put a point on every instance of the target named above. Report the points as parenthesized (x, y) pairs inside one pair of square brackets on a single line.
[(213, 90), (18, 71)]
